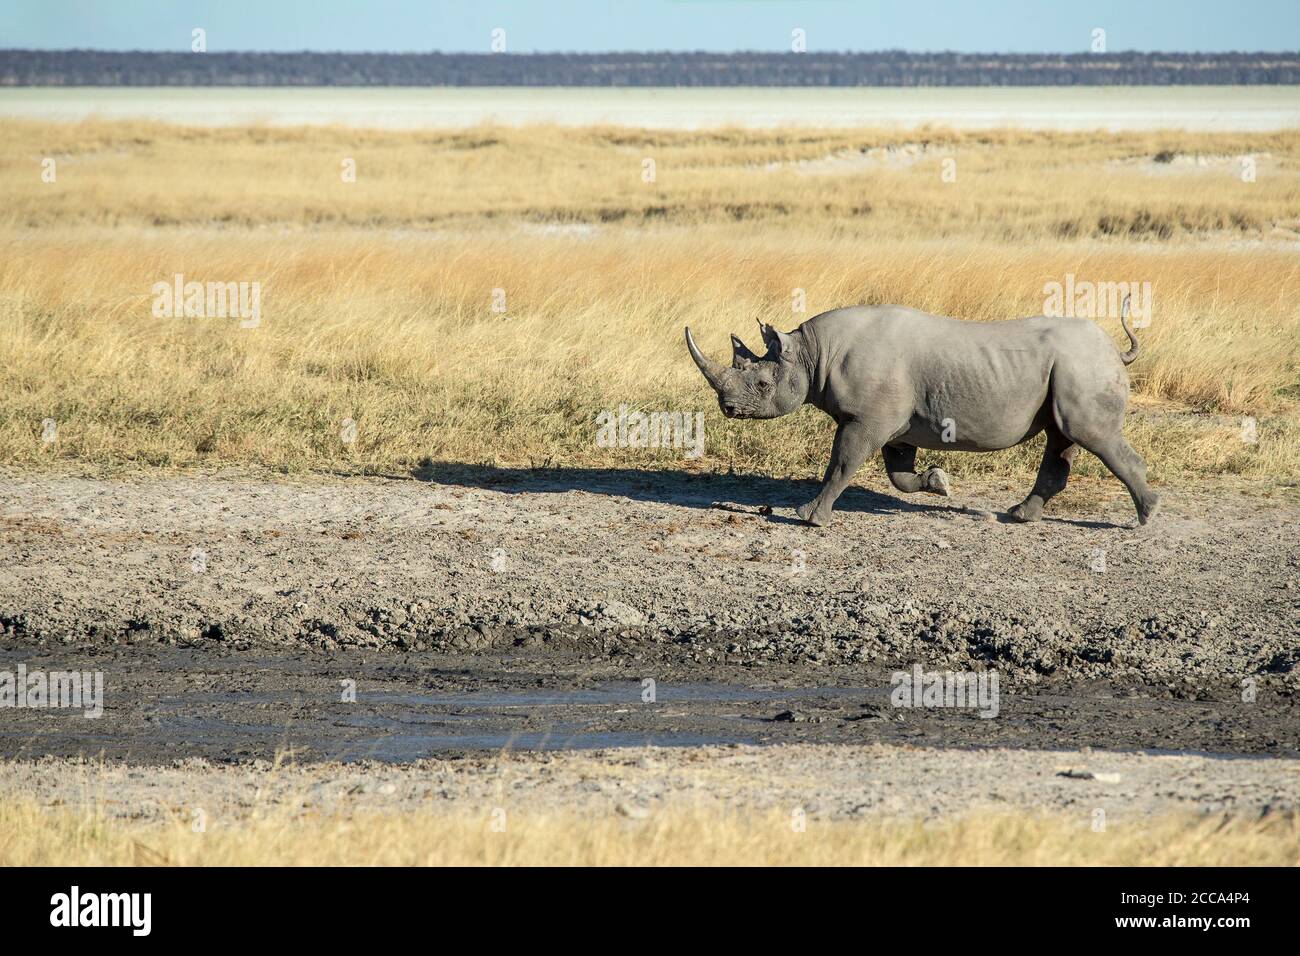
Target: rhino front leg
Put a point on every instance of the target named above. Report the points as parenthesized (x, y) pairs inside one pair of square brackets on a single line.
[(900, 463), (854, 444)]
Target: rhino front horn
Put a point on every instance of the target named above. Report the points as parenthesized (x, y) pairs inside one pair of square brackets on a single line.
[(713, 371)]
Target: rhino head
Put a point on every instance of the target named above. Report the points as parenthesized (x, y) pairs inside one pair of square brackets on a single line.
[(766, 386)]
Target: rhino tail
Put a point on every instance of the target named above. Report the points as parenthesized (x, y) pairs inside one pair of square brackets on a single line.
[(1127, 357)]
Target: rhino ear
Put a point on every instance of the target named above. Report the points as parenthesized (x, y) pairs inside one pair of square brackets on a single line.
[(778, 343), (741, 356)]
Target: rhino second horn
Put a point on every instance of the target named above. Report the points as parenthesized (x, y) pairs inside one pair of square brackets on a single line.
[(713, 371)]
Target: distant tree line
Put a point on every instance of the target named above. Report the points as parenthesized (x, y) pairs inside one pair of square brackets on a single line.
[(886, 68)]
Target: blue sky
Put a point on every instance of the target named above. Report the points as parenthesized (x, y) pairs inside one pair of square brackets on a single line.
[(1002, 26)]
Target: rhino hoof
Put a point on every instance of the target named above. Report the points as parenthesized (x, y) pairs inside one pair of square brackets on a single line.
[(936, 481), (808, 512), (1018, 513), (1149, 512)]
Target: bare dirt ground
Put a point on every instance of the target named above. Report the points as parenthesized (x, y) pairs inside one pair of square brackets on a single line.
[(824, 782), (479, 610)]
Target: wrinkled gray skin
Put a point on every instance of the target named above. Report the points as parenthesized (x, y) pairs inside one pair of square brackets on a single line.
[(896, 380)]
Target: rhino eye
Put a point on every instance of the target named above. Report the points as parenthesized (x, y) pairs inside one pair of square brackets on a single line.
[(764, 385)]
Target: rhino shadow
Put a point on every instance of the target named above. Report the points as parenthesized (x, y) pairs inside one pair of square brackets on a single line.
[(731, 492)]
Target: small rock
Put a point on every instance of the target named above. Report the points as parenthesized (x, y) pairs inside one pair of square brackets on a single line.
[(633, 812), (1075, 774), (623, 614)]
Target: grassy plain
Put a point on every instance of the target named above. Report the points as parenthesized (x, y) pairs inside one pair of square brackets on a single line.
[(380, 298), (33, 836)]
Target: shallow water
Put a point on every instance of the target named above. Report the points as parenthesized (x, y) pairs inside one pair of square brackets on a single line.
[(163, 704), (401, 727), (1064, 108)]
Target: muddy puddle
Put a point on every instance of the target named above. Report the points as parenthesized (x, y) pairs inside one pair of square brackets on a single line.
[(401, 727), (355, 721), (162, 705)]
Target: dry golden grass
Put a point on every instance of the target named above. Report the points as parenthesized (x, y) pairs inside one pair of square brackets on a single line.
[(1011, 184), (30, 835), (377, 295)]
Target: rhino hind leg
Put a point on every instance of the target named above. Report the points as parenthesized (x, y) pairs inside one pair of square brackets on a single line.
[(1088, 403), (900, 464), (1053, 474), (1127, 465), (1103, 436)]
